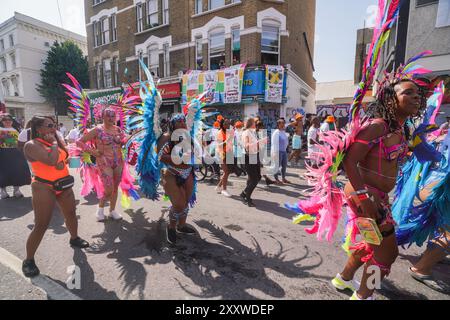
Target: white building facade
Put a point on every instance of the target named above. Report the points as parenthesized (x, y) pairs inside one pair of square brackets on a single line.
[(24, 45)]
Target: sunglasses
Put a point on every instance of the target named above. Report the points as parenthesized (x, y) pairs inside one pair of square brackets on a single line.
[(50, 126)]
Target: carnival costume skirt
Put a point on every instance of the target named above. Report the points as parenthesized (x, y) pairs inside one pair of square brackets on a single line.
[(14, 170)]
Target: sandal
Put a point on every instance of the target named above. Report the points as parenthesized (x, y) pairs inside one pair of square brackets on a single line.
[(29, 269), (430, 282), (79, 243)]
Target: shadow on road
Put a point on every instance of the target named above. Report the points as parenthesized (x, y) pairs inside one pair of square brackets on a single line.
[(125, 241), (227, 269), (224, 268), (12, 209), (392, 292)]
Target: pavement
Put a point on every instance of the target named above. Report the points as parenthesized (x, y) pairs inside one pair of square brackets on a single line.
[(239, 252)]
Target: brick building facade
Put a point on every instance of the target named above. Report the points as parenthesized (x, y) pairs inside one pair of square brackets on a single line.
[(174, 36)]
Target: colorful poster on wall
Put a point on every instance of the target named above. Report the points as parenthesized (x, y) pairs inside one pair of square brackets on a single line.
[(274, 84), (226, 84), (210, 84), (234, 77)]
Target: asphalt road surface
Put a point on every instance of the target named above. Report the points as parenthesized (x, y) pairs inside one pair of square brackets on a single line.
[(239, 252)]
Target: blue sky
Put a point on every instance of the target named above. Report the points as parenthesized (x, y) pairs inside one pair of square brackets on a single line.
[(72, 12), (336, 25)]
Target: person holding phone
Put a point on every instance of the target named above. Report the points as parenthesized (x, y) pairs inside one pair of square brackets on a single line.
[(51, 185)]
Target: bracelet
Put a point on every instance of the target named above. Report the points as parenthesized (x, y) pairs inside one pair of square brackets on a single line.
[(363, 197), (362, 191)]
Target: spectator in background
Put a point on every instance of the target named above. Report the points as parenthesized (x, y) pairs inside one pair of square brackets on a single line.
[(24, 136), (62, 129), (14, 170), (280, 141), (252, 161), (313, 137), (224, 146), (73, 135), (259, 127), (329, 124), (297, 138)]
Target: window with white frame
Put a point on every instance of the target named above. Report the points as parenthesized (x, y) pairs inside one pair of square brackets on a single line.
[(116, 70), (11, 40), (107, 76), (2, 45), (270, 44), (12, 56), (5, 84), (165, 10), (105, 31), (214, 4), (3, 64), (152, 13), (114, 27), (235, 45), (153, 59), (199, 52), (97, 33), (166, 56), (98, 71), (140, 17), (217, 50), (198, 6), (15, 86)]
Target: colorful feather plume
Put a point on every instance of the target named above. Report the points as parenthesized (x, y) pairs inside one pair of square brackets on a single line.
[(328, 191), (79, 102), (146, 120), (423, 150)]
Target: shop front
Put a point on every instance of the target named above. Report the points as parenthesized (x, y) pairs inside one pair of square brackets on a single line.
[(241, 91), (171, 95)]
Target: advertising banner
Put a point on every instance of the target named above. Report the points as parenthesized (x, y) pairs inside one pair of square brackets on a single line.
[(233, 84), (274, 84)]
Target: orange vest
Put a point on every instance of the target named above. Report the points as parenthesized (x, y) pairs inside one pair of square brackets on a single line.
[(50, 173)]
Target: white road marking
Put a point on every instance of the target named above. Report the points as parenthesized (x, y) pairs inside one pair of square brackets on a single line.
[(52, 289)]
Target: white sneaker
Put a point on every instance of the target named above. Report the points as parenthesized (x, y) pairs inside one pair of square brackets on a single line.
[(115, 215), (100, 215), (18, 193), (218, 190), (342, 284), (226, 194), (356, 297), (3, 194)]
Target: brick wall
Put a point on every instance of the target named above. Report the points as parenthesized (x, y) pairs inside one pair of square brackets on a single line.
[(300, 18)]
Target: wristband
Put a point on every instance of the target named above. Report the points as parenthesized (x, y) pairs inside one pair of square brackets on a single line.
[(362, 191), (363, 197)]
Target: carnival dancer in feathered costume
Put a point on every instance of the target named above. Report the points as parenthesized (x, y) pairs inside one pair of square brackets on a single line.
[(421, 208), (167, 158), (371, 152), (104, 163)]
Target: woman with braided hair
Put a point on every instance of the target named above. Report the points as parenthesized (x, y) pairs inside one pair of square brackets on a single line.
[(177, 178), (372, 164)]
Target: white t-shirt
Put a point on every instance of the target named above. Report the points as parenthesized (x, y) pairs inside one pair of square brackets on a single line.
[(252, 140), (313, 134), (24, 134), (324, 127), (63, 130), (74, 134)]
